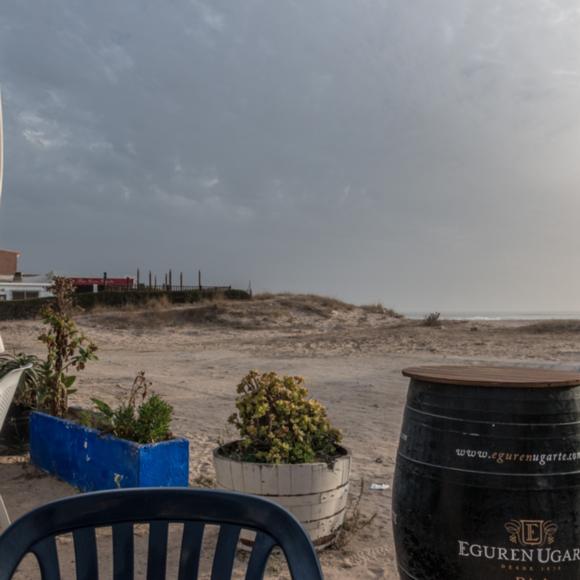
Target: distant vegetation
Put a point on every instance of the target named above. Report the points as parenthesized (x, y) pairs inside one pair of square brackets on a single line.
[(378, 308), (325, 305), (307, 301), (235, 309), (549, 326), (433, 319), (22, 309)]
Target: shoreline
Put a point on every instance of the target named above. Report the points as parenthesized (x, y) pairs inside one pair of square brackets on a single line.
[(496, 317)]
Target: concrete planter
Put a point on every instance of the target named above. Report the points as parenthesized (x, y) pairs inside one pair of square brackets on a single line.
[(91, 461), (315, 493)]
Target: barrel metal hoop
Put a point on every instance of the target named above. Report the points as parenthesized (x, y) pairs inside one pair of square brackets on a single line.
[(405, 571), (464, 420), (416, 461)]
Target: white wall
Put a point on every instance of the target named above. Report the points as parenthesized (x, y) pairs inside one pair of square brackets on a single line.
[(8, 288)]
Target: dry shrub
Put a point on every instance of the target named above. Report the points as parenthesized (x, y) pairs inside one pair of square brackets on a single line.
[(155, 303), (206, 481), (329, 302), (156, 315), (314, 302), (549, 326), (433, 319), (263, 312), (354, 521), (378, 308), (160, 303), (265, 296), (321, 306)]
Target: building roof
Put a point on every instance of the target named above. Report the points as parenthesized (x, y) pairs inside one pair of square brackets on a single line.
[(12, 284), (26, 278)]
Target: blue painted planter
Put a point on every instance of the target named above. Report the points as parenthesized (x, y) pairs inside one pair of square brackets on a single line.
[(91, 461)]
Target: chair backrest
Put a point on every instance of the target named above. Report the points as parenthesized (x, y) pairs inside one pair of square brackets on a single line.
[(120, 509), (8, 385)]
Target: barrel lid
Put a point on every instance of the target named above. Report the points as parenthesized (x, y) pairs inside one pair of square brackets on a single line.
[(494, 376)]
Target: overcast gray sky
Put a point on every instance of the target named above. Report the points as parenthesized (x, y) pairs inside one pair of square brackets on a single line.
[(424, 153)]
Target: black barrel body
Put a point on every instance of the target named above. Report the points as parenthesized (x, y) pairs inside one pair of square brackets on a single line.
[(487, 484)]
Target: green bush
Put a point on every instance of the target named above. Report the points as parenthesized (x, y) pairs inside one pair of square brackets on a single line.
[(68, 350), (143, 417), (278, 423), (48, 383)]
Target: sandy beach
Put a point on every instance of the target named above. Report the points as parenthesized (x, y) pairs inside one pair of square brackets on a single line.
[(350, 356)]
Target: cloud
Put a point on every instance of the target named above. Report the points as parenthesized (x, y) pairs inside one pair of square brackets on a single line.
[(115, 61), (210, 183), (42, 132), (211, 17), (295, 141)]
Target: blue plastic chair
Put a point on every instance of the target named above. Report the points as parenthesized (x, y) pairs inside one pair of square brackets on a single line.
[(35, 533)]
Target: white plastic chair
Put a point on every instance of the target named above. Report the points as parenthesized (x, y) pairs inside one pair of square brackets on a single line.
[(8, 385)]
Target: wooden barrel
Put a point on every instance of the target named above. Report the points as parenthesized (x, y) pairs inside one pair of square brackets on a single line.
[(487, 483), (315, 493)]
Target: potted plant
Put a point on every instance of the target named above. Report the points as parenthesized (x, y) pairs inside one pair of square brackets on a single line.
[(15, 430), (288, 452), (127, 446)]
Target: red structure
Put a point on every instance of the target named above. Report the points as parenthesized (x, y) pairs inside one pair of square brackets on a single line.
[(89, 284)]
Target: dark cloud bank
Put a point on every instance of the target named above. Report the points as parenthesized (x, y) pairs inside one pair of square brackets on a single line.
[(420, 153)]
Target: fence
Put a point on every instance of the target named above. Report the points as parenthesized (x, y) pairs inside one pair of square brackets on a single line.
[(164, 288), (24, 309)]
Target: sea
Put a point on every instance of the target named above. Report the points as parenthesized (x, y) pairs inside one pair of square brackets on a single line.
[(497, 315)]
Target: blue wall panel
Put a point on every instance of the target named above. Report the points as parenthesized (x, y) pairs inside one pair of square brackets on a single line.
[(84, 458)]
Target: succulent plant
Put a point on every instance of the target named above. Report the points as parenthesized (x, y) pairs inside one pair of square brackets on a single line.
[(279, 423)]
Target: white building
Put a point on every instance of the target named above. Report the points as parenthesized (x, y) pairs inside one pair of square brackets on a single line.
[(24, 287)]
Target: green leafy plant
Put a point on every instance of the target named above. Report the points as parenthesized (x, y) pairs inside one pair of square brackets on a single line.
[(278, 423), (27, 392), (67, 349), (142, 416)]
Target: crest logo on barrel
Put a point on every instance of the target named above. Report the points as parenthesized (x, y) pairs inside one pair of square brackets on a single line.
[(532, 532)]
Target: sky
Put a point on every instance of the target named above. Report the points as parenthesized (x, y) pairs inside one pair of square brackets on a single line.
[(422, 154)]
